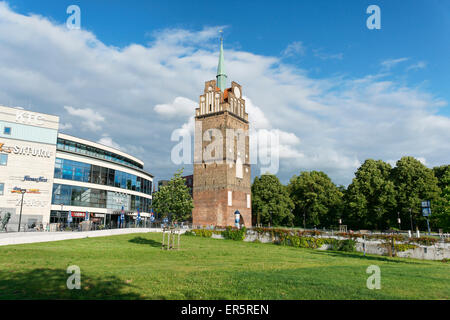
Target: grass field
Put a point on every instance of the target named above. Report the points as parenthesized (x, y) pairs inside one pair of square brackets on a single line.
[(134, 267)]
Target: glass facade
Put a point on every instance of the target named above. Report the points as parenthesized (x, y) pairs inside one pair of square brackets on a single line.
[(2, 188), (95, 198), (84, 172), (66, 145)]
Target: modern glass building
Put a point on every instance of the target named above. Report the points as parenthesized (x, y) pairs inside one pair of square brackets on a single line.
[(67, 179), (99, 180)]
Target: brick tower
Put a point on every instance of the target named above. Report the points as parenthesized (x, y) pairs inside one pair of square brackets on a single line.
[(221, 154)]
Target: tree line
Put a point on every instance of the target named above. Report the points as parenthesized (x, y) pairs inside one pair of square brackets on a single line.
[(377, 197)]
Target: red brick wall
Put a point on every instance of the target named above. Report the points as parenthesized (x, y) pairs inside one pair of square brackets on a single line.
[(211, 208)]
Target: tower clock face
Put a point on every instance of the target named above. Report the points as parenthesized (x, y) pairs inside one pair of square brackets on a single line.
[(237, 92)]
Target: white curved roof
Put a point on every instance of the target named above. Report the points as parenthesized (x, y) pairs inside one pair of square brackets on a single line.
[(100, 146)]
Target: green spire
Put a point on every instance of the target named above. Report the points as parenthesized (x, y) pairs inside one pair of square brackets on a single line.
[(221, 76)]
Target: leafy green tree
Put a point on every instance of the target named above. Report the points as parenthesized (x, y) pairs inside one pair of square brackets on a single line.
[(414, 182), (440, 215), (174, 199), (316, 198), (271, 201), (370, 199), (439, 173)]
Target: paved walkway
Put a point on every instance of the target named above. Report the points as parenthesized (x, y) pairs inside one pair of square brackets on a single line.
[(7, 238)]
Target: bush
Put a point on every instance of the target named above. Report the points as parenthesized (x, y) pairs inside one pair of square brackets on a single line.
[(303, 242), (348, 245), (299, 241), (234, 233), (199, 232), (425, 241), (403, 247)]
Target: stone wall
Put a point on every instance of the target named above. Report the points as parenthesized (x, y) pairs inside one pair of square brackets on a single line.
[(438, 251)]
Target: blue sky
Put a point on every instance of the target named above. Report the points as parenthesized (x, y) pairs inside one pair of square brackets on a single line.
[(416, 29), (324, 47)]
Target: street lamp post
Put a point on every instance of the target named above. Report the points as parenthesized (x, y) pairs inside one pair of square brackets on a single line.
[(304, 219), (410, 218), (399, 221), (271, 218), (22, 191), (257, 218), (59, 215)]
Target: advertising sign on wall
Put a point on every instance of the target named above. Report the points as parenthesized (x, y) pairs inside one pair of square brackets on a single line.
[(37, 179), (26, 150), (78, 214)]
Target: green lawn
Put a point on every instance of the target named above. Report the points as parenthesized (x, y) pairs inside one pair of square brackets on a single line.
[(134, 267)]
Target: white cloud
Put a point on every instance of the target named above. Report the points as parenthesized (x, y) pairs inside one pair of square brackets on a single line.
[(423, 160), (107, 141), (327, 56), (417, 66), (329, 124), (256, 116), (390, 63), (65, 126), (294, 48), (180, 107), (91, 119)]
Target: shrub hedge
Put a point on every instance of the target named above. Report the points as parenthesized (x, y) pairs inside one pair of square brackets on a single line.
[(199, 232), (309, 239), (234, 233)]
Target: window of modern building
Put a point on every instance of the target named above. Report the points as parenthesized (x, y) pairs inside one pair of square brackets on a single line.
[(110, 181), (3, 159), (7, 130), (2, 188), (84, 172), (89, 197), (67, 145)]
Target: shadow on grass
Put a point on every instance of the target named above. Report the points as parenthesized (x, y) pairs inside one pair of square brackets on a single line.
[(52, 284), (141, 240), (354, 255)]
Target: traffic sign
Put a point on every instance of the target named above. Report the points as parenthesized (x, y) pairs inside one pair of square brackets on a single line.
[(426, 204)]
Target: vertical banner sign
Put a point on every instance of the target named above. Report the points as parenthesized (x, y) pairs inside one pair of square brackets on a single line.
[(122, 217), (87, 216), (152, 215), (426, 212), (138, 216), (237, 216), (69, 216), (426, 208)]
